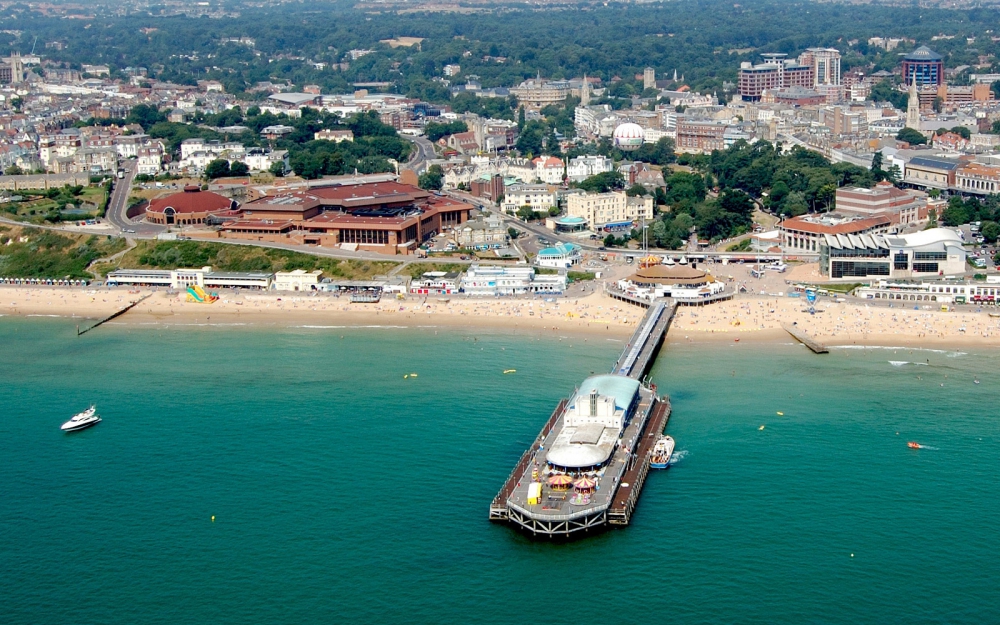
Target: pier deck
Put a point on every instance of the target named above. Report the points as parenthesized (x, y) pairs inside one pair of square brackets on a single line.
[(806, 340), (640, 352), (627, 495)]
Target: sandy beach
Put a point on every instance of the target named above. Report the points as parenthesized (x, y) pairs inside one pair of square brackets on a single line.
[(748, 318), (592, 314)]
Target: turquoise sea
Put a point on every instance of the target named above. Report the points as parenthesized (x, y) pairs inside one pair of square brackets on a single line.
[(343, 492)]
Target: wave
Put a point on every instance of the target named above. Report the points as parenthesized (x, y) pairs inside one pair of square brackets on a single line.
[(678, 456), (316, 327), (947, 352), (900, 363)]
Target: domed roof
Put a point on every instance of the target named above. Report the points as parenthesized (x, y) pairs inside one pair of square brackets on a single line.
[(577, 456), (629, 130), (191, 200), (923, 53)]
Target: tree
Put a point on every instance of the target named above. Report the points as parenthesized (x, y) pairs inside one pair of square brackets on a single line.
[(277, 169), (239, 168), (936, 105), (13, 170), (526, 213), (610, 240), (911, 136), (636, 190), (432, 179), (434, 131), (219, 168), (962, 131), (553, 211), (794, 204), (513, 233), (145, 115), (603, 182), (990, 231)]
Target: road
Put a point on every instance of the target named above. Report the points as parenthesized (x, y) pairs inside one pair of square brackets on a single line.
[(118, 205), (423, 153)]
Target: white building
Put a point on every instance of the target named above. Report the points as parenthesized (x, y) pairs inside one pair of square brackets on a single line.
[(582, 167), (549, 169), (297, 280), (934, 252), (149, 160), (483, 233), (184, 278), (942, 292), (493, 281), (561, 256), (609, 211), (539, 197), (435, 283)]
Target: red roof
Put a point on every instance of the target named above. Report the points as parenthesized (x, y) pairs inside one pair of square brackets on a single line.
[(191, 200), (849, 227)]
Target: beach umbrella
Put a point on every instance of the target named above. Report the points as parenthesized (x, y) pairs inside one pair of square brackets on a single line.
[(560, 481), (585, 483)]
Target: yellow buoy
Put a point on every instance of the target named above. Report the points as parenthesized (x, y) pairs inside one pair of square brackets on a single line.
[(213, 518), (781, 414), (761, 427), (406, 376), (413, 375)]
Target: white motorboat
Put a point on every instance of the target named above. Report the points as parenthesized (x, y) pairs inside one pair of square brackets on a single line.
[(82, 421), (662, 452)]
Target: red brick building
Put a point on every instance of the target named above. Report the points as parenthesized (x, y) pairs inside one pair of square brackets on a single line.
[(387, 217)]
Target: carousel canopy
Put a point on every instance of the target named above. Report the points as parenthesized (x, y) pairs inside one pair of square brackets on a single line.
[(666, 274)]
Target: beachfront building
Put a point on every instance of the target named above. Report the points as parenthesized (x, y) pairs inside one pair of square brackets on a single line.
[(435, 283), (805, 234), (942, 292), (496, 280), (681, 282), (191, 206), (561, 256), (297, 280), (609, 212), (934, 252), (183, 278), (386, 217)]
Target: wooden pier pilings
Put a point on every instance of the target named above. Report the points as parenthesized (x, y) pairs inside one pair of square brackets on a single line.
[(806, 340), (114, 315), (627, 496)]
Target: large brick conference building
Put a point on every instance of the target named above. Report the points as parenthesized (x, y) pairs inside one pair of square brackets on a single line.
[(387, 217)]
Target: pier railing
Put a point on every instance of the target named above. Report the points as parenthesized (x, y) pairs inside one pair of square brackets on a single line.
[(498, 509)]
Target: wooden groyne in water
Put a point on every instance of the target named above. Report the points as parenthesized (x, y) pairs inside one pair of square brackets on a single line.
[(806, 340), (115, 315)]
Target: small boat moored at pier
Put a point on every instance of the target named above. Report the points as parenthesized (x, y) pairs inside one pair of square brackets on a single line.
[(663, 450), (82, 421)]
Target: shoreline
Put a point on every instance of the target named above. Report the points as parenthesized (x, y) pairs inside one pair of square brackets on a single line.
[(747, 320)]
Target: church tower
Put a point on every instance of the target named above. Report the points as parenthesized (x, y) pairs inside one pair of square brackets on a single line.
[(913, 106), (585, 92)]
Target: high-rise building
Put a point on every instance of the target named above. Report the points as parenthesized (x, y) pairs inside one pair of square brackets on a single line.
[(776, 72), (825, 63), (926, 65)]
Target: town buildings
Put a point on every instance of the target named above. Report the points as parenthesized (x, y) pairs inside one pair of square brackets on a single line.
[(924, 65), (613, 211), (884, 200), (806, 233), (934, 252)]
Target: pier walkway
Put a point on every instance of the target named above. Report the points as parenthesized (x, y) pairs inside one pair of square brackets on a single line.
[(625, 498), (806, 340), (640, 352)]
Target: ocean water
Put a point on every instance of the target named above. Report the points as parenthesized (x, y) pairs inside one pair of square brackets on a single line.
[(345, 492)]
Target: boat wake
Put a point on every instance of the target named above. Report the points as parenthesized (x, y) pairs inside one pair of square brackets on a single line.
[(900, 363), (678, 456)]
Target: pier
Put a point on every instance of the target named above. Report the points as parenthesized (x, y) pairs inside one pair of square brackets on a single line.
[(600, 439), (640, 352), (806, 340), (114, 315)]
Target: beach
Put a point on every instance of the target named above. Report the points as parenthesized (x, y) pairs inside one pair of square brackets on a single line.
[(746, 318)]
